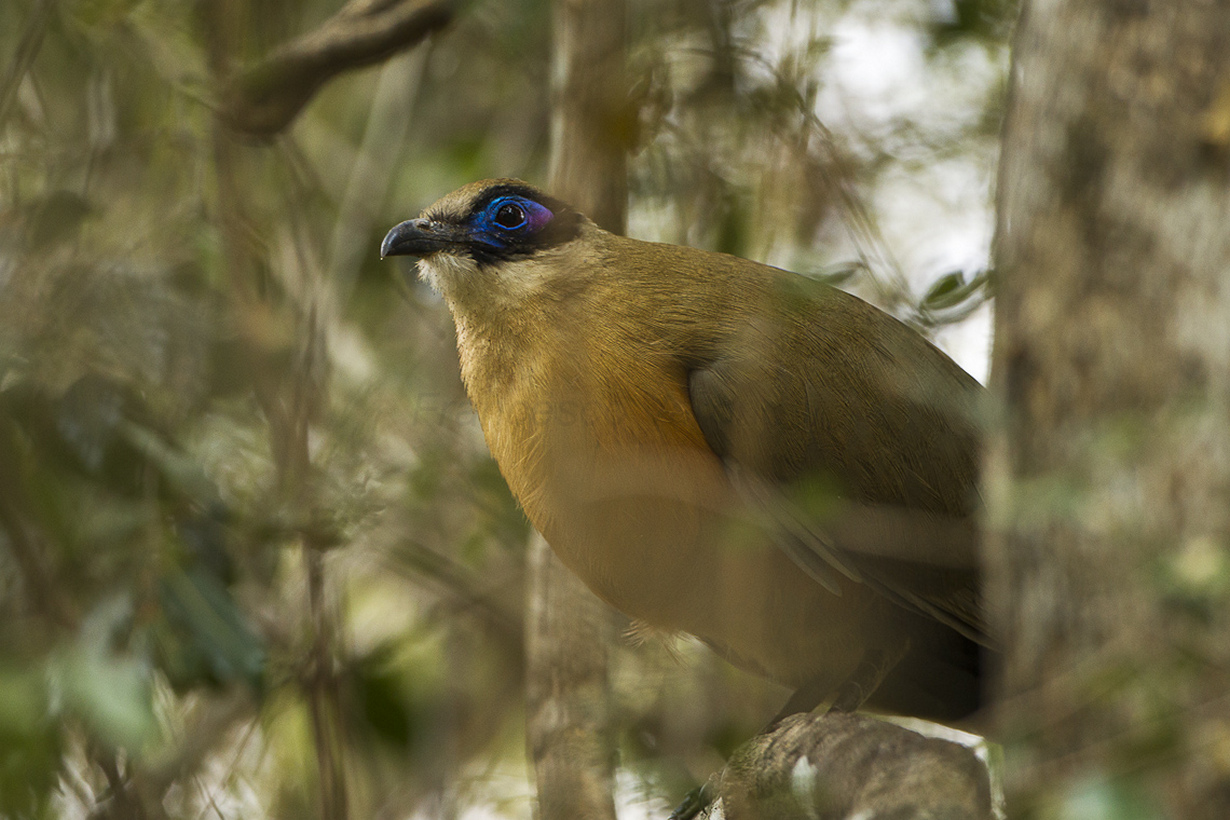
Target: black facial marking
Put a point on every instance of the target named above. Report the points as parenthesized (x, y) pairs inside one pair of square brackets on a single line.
[(513, 221)]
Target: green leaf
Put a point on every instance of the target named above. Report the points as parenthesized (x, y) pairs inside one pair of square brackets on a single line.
[(205, 637), (839, 274), (110, 691), (384, 699), (29, 743), (946, 291), (1099, 798)]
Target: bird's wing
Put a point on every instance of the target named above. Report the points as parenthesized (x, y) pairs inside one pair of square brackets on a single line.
[(854, 437)]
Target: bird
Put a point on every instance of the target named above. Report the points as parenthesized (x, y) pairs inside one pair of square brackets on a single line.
[(724, 448)]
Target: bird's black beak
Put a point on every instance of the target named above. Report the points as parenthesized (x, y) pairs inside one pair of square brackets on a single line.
[(421, 237)]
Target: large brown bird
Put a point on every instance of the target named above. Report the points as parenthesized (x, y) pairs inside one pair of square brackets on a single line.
[(722, 447)]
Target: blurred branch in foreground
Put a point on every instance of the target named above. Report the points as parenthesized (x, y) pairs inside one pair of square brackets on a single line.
[(264, 98)]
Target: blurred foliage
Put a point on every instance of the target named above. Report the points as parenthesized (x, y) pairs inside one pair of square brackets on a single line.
[(246, 515)]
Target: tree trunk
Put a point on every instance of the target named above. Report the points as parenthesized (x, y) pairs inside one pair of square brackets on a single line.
[(569, 630), (1109, 481), (594, 120), (568, 721)]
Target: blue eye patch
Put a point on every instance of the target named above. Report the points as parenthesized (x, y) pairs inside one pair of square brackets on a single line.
[(513, 221), (508, 220)]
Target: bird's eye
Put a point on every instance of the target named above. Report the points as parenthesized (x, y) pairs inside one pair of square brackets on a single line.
[(510, 221), (510, 216)]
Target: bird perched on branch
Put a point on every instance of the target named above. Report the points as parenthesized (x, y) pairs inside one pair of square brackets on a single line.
[(723, 448)]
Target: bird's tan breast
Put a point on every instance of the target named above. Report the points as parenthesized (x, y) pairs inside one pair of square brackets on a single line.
[(597, 440), (600, 447)]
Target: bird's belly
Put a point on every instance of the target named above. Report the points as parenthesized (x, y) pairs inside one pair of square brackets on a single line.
[(665, 540), (636, 504)]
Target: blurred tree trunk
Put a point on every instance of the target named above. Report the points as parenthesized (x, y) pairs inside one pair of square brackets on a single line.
[(569, 716), (568, 722), (1109, 483), (594, 122)]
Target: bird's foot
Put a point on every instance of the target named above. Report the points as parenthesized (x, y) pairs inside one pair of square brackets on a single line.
[(871, 671), (696, 801)]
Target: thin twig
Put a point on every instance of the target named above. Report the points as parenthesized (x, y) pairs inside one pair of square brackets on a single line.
[(322, 695), (23, 57)]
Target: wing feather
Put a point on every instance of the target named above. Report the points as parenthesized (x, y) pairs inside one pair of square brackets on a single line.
[(856, 439)]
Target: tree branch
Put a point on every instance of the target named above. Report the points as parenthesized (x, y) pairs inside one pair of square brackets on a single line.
[(264, 98), (825, 767)]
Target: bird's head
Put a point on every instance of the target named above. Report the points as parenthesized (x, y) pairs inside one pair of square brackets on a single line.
[(480, 232)]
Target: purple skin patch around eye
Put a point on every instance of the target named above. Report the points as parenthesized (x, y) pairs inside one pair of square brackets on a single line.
[(537, 216)]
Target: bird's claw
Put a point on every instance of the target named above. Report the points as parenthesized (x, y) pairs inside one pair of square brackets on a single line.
[(694, 802)]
